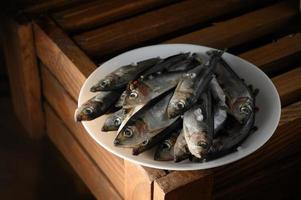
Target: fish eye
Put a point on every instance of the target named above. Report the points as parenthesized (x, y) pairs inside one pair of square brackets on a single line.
[(145, 142), (203, 144), (105, 83), (166, 145), (88, 110), (133, 94), (245, 109), (117, 121), (180, 105), (128, 133)]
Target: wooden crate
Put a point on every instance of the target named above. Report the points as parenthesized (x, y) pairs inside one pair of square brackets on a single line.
[(71, 39)]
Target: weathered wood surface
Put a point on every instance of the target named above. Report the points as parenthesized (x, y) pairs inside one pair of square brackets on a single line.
[(139, 181), (63, 58), (96, 13), (184, 185), (157, 23), (290, 113), (241, 29), (64, 106), (20, 56), (72, 150)]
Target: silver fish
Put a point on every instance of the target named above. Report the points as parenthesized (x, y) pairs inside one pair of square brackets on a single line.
[(147, 144), (192, 85), (181, 151), (142, 91), (121, 100), (114, 120), (144, 124), (198, 126), (96, 106), (165, 150), (122, 76), (239, 97)]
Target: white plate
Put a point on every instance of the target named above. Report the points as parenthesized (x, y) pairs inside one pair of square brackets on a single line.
[(267, 100)]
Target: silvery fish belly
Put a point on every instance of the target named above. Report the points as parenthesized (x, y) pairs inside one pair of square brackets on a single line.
[(122, 76), (149, 143), (96, 106), (140, 92), (181, 151), (144, 124), (198, 127), (239, 98), (114, 120), (165, 150)]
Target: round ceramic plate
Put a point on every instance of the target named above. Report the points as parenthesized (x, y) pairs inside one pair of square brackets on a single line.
[(267, 100)]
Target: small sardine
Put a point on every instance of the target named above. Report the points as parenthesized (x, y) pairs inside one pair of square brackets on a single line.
[(96, 106), (192, 85), (147, 144), (181, 151), (121, 100), (122, 76), (165, 150), (140, 92), (144, 124), (198, 126), (114, 120)]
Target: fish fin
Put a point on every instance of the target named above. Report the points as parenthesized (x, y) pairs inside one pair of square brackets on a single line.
[(250, 87), (255, 92)]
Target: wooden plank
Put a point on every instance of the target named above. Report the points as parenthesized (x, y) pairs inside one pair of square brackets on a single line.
[(64, 106), (85, 167), (157, 23), (243, 28), (290, 113), (23, 76), (139, 181), (184, 185), (276, 56), (289, 86), (64, 59), (98, 13)]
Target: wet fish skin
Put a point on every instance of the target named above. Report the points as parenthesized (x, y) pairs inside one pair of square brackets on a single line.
[(96, 106), (147, 144), (114, 120), (144, 124), (192, 85), (121, 100), (198, 126), (140, 92), (165, 150), (122, 76), (239, 98), (181, 151)]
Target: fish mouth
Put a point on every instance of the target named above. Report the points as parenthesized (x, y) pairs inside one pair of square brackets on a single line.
[(77, 116)]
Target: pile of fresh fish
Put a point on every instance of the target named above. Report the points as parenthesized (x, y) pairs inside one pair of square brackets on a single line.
[(190, 106)]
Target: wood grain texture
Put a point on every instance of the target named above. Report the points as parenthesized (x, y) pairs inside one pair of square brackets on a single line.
[(276, 56), (96, 181), (290, 113), (96, 13), (64, 59), (139, 181), (154, 24), (63, 104), (243, 28), (23, 74), (289, 86), (184, 185)]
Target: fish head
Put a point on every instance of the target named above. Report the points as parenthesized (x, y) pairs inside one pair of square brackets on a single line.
[(131, 135), (178, 105), (165, 151), (136, 94), (88, 111), (110, 82), (200, 144), (242, 109), (112, 123)]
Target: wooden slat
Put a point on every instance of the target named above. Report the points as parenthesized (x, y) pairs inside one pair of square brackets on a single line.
[(64, 106), (276, 56), (290, 113), (98, 13), (23, 76), (64, 59), (78, 158), (139, 181), (243, 28), (151, 25), (184, 185), (289, 86)]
